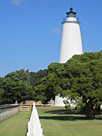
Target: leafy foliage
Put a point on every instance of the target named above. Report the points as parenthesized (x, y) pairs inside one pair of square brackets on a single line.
[(45, 90), (20, 85), (18, 76), (16, 86), (14, 91), (35, 77)]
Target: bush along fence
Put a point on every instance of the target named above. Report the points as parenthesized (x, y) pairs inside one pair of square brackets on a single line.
[(34, 125), (7, 111)]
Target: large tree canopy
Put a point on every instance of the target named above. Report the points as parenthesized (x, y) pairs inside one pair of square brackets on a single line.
[(16, 91), (15, 86), (11, 86), (80, 78), (84, 81)]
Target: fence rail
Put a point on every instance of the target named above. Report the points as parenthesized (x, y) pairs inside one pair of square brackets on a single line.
[(25, 107)]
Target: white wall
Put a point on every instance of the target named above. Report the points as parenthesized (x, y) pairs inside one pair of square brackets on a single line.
[(8, 112), (59, 100)]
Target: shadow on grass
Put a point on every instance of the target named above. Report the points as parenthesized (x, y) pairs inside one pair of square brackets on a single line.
[(62, 118), (62, 115), (67, 118), (64, 111)]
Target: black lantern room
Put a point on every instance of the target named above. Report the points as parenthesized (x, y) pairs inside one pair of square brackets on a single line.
[(71, 13)]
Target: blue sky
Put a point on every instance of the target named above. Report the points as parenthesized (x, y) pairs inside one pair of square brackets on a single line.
[(30, 31)]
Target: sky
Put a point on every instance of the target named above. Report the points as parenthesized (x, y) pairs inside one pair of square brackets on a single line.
[(30, 31)]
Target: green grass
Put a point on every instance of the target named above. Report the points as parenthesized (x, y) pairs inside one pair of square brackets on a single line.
[(15, 125), (55, 122), (60, 124)]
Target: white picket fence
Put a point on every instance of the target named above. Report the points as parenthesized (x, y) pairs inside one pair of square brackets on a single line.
[(34, 125)]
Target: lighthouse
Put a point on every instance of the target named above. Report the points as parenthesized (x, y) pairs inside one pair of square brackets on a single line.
[(71, 37), (71, 44)]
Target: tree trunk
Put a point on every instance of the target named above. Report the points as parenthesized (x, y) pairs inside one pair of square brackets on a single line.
[(90, 114), (90, 111), (97, 109), (83, 109)]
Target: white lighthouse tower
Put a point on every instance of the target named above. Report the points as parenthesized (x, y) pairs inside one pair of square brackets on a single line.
[(70, 44), (71, 38)]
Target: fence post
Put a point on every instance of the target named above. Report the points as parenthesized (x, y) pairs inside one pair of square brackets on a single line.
[(34, 125)]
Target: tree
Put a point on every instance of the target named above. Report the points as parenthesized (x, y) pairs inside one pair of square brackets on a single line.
[(45, 90), (79, 79), (82, 81), (16, 91), (18, 76), (1, 85)]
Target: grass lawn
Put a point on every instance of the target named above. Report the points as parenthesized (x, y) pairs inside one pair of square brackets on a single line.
[(55, 122), (15, 125), (60, 124)]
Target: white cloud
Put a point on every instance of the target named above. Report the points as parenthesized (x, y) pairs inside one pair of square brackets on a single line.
[(17, 2), (56, 31)]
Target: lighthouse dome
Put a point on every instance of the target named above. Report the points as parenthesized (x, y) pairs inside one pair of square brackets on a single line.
[(71, 16)]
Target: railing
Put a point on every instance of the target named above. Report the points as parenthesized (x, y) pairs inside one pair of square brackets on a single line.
[(25, 107), (7, 111), (34, 125)]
